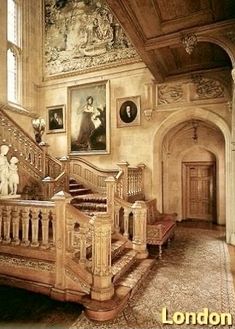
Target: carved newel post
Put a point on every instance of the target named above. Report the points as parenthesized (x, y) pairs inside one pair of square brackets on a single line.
[(139, 228), (124, 167), (66, 168), (102, 288), (61, 199)]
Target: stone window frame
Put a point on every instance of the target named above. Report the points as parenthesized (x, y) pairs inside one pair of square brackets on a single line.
[(16, 49)]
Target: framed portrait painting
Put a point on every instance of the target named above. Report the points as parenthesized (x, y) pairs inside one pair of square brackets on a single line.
[(89, 118), (56, 122), (128, 111)]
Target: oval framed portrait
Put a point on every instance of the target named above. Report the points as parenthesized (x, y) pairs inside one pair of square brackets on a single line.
[(128, 111)]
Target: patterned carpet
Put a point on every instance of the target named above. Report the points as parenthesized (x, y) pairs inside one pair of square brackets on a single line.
[(194, 274)]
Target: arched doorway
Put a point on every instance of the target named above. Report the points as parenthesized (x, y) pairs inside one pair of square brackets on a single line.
[(165, 136), (192, 161)]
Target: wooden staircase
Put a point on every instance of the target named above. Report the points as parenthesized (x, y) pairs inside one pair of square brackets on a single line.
[(128, 271), (75, 242), (85, 200)]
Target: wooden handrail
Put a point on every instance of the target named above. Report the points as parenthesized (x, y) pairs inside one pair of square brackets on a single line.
[(2, 108), (27, 203), (91, 165)]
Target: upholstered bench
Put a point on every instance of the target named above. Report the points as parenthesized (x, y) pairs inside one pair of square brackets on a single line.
[(160, 227)]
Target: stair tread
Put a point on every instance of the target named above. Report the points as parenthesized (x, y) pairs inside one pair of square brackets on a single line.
[(92, 196), (79, 189), (123, 261), (91, 203), (135, 273), (75, 185)]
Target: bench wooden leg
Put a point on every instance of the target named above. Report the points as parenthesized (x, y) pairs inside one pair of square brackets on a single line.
[(160, 252)]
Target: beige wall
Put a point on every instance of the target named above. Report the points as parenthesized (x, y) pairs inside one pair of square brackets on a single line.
[(133, 144)]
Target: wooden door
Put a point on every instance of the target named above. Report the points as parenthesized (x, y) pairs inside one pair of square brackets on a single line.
[(199, 190)]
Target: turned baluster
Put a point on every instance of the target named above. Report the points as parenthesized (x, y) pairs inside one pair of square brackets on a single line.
[(53, 220), (25, 227), (45, 228), (82, 235), (136, 188), (35, 222), (26, 149), (116, 219), (130, 183), (6, 224), (16, 140), (126, 223), (15, 226), (36, 159), (40, 162)]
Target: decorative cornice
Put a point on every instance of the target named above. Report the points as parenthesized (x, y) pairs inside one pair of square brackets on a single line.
[(92, 69)]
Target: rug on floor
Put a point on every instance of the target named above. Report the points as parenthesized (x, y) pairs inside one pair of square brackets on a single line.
[(194, 274)]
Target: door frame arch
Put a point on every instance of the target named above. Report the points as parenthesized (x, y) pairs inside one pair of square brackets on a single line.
[(162, 130)]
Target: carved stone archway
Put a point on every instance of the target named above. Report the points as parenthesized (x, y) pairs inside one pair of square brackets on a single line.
[(173, 120)]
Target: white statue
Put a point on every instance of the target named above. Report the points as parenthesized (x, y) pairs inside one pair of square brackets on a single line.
[(4, 170), (13, 176)]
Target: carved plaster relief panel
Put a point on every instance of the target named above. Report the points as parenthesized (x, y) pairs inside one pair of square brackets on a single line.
[(82, 35), (206, 88), (168, 94)]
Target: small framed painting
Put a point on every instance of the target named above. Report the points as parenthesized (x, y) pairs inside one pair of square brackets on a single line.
[(56, 122), (128, 111)]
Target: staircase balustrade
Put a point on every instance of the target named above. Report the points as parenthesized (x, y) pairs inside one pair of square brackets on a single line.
[(129, 182), (90, 175), (34, 157), (130, 220), (27, 223), (56, 233)]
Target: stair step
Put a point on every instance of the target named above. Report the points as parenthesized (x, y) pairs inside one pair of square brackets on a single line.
[(75, 186), (90, 206), (117, 247), (92, 197), (79, 191), (72, 180), (135, 274), (122, 263)]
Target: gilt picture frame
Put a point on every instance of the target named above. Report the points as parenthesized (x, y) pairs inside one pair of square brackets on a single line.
[(56, 119), (128, 111), (89, 131)]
